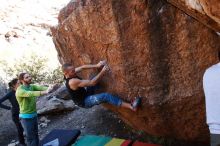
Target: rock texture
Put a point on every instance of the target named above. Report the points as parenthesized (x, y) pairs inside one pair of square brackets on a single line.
[(212, 9), (205, 11), (154, 50), (60, 91), (55, 102)]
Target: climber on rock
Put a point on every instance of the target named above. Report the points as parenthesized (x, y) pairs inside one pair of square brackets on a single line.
[(82, 90)]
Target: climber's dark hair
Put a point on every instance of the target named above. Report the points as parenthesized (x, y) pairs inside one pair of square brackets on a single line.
[(12, 83), (65, 66), (21, 76)]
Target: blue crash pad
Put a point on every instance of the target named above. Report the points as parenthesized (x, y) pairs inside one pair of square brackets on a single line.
[(60, 137)]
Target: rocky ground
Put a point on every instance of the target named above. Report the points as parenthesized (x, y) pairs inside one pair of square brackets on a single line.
[(96, 120)]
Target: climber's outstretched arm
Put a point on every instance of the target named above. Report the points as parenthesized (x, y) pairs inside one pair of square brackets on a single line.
[(90, 66)]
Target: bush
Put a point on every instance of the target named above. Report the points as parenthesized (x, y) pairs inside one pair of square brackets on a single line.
[(36, 67), (54, 76)]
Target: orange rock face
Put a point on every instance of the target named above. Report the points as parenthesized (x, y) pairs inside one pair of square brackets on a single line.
[(212, 8), (205, 11), (154, 50)]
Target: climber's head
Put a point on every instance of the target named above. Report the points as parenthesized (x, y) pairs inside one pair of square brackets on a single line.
[(13, 84), (25, 78), (68, 70)]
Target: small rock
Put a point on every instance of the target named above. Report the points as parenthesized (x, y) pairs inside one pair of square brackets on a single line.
[(43, 125), (13, 143), (44, 119), (11, 34)]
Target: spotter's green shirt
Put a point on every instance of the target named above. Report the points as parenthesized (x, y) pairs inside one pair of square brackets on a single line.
[(26, 97)]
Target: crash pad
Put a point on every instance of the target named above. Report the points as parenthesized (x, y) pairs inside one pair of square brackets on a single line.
[(60, 137)]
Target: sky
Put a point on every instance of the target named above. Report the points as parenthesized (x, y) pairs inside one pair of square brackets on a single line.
[(22, 20)]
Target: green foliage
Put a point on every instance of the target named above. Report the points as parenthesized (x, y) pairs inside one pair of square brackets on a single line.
[(54, 76), (36, 66)]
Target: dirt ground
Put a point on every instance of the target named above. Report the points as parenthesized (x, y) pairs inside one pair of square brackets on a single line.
[(96, 120)]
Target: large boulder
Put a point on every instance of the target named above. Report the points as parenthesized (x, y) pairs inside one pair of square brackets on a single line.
[(154, 50)]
